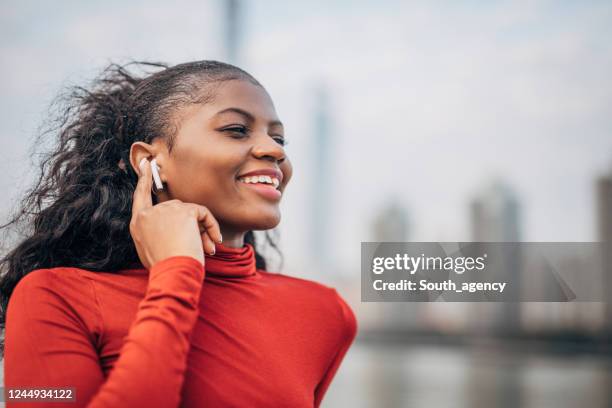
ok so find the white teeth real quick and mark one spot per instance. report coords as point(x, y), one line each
point(260, 179)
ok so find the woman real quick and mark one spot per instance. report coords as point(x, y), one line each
point(137, 299)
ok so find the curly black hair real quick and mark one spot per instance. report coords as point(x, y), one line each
point(77, 214)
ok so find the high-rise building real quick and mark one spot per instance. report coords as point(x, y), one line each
point(495, 214)
point(604, 208)
point(321, 204)
point(232, 32)
point(391, 224)
point(604, 232)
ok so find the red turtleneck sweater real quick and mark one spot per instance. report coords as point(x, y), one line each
point(245, 337)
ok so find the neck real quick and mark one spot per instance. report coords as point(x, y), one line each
point(231, 237)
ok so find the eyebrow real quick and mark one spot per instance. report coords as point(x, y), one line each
point(247, 115)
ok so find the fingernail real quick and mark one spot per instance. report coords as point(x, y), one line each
point(220, 238)
point(212, 252)
point(142, 162)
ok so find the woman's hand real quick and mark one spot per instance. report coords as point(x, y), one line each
point(170, 228)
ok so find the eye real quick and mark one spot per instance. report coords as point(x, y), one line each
point(281, 140)
point(237, 131)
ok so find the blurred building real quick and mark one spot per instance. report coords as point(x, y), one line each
point(391, 224)
point(321, 206)
point(232, 34)
point(604, 208)
point(494, 216)
point(604, 231)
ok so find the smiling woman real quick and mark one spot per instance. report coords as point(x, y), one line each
point(134, 296)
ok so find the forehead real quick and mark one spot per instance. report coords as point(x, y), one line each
point(244, 95)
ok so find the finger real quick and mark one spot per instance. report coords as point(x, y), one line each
point(208, 244)
point(208, 221)
point(142, 193)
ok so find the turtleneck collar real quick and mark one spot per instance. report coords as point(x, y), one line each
point(226, 262)
point(231, 262)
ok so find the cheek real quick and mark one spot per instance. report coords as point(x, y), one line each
point(204, 179)
point(214, 187)
point(287, 170)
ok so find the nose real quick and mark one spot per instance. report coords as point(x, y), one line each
point(268, 149)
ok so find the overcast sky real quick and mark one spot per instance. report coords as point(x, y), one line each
point(429, 101)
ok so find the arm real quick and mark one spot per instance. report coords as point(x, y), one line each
point(48, 344)
point(348, 335)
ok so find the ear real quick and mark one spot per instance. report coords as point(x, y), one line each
point(138, 151)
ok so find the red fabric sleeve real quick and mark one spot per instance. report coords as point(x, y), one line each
point(348, 335)
point(49, 344)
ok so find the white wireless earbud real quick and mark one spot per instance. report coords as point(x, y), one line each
point(156, 178)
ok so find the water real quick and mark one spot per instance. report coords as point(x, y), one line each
point(390, 376)
point(386, 376)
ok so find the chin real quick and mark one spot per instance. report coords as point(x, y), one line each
point(264, 220)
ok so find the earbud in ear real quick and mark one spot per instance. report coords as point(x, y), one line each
point(156, 178)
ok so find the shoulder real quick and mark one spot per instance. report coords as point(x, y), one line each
point(59, 280)
point(60, 291)
point(327, 301)
point(347, 316)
